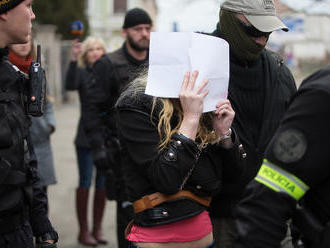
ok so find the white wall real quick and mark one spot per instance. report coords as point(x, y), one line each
point(312, 43)
point(313, 50)
point(106, 24)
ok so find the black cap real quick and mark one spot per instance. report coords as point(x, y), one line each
point(135, 17)
point(6, 5)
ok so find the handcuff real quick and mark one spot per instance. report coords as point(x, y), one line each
point(226, 136)
point(223, 137)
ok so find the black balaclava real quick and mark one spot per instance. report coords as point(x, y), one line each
point(242, 45)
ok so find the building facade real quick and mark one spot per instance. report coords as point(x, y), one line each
point(309, 24)
point(106, 18)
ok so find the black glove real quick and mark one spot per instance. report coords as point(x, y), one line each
point(100, 158)
point(107, 156)
point(46, 245)
point(41, 241)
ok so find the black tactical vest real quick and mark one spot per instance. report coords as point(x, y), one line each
point(14, 123)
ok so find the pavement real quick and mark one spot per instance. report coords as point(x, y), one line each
point(62, 195)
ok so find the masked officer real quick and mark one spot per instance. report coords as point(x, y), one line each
point(260, 87)
point(294, 179)
point(111, 73)
point(23, 204)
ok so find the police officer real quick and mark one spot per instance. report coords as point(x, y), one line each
point(294, 179)
point(23, 204)
point(111, 73)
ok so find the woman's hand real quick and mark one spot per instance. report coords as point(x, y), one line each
point(192, 99)
point(75, 49)
point(192, 104)
point(223, 118)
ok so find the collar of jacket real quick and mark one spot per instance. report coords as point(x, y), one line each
point(4, 53)
point(133, 60)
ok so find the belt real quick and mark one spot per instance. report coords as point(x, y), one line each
point(152, 200)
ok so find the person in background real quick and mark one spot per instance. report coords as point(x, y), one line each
point(174, 158)
point(111, 74)
point(83, 58)
point(42, 127)
point(23, 202)
point(260, 87)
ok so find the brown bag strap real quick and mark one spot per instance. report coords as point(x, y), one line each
point(152, 200)
point(129, 227)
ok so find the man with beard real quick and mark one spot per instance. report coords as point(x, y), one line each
point(260, 88)
point(111, 73)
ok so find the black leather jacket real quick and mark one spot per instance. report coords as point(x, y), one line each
point(180, 166)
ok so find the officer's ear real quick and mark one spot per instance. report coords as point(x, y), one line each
point(124, 32)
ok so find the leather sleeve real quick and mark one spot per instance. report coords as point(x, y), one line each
point(234, 159)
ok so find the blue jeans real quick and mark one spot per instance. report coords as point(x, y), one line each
point(85, 166)
point(134, 246)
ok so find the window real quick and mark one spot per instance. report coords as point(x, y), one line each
point(120, 6)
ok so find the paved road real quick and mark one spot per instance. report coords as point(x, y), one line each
point(61, 195)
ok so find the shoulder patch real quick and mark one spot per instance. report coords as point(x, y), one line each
point(290, 146)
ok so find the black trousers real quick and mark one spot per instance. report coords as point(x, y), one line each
point(21, 237)
point(124, 216)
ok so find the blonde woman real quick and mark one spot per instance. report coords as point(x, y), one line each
point(174, 159)
point(84, 55)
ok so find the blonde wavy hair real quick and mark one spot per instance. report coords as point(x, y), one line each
point(168, 107)
point(86, 45)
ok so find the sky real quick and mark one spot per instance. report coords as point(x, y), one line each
point(310, 6)
point(191, 15)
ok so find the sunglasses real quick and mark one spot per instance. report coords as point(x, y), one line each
point(252, 31)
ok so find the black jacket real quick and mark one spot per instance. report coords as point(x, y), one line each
point(111, 73)
point(17, 170)
point(77, 78)
point(299, 147)
point(146, 170)
point(278, 87)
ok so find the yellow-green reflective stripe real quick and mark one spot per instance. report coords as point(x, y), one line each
point(280, 180)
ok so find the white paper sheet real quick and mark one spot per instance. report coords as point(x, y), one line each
point(173, 54)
